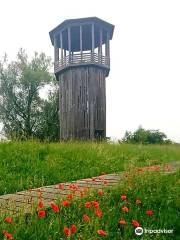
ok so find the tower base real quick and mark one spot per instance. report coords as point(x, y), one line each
point(82, 103)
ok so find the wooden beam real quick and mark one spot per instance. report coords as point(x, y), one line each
point(81, 43)
point(56, 50)
point(92, 36)
point(69, 43)
point(107, 48)
point(100, 41)
point(61, 43)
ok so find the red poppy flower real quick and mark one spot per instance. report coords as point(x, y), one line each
point(98, 213)
point(70, 196)
point(73, 228)
point(100, 192)
point(73, 186)
point(55, 207)
point(140, 169)
point(86, 218)
point(40, 204)
point(125, 209)
point(7, 235)
point(87, 204)
point(60, 186)
point(66, 203)
point(8, 220)
point(102, 232)
point(105, 182)
point(67, 231)
point(122, 222)
point(123, 197)
point(95, 204)
point(41, 214)
point(82, 194)
point(149, 212)
point(138, 201)
point(135, 223)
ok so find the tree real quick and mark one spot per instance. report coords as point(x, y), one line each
point(50, 118)
point(146, 137)
point(21, 108)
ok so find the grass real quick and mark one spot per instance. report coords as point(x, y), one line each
point(157, 192)
point(26, 165)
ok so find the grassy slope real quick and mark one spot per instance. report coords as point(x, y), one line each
point(31, 164)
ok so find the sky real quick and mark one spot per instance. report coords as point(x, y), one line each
point(143, 87)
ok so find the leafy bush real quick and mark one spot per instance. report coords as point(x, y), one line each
point(146, 137)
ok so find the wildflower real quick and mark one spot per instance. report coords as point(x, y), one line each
point(40, 204)
point(98, 213)
point(82, 194)
point(60, 186)
point(73, 186)
point(100, 192)
point(123, 197)
point(122, 222)
point(138, 201)
point(39, 191)
point(135, 223)
point(73, 228)
point(93, 179)
point(86, 218)
point(149, 212)
point(70, 196)
point(41, 214)
point(125, 209)
point(86, 189)
point(54, 207)
point(66, 203)
point(87, 204)
point(95, 204)
point(140, 169)
point(67, 231)
point(8, 220)
point(102, 232)
point(126, 174)
point(7, 235)
point(105, 182)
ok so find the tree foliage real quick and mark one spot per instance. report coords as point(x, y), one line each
point(22, 110)
point(145, 137)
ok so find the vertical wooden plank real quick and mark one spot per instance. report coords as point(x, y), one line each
point(92, 39)
point(81, 42)
point(101, 41)
point(56, 53)
point(69, 43)
point(61, 45)
point(107, 48)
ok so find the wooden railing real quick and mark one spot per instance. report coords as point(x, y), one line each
point(81, 59)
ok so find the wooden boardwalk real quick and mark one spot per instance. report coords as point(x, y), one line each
point(26, 201)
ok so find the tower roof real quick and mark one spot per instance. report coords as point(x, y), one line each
point(74, 24)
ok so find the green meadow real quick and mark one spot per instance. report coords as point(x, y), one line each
point(146, 199)
point(25, 165)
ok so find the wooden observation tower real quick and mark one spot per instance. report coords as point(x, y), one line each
point(81, 65)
